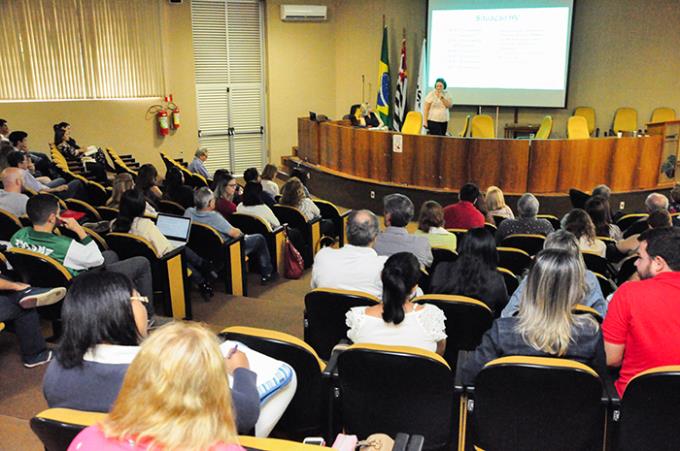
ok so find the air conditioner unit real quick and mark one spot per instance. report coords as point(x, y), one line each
point(304, 13)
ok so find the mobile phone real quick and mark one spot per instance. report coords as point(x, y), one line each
point(314, 441)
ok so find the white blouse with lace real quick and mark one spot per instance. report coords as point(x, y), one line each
point(420, 329)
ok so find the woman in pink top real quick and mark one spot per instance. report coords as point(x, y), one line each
point(175, 396)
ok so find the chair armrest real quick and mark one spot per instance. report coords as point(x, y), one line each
point(278, 229)
point(346, 213)
point(229, 241)
point(314, 220)
point(610, 396)
point(172, 253)
point(463, 356)
point(331, 370)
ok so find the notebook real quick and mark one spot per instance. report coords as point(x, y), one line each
point(175, 228)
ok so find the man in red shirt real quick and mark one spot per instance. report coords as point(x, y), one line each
point(464, 214)
point(642, 326)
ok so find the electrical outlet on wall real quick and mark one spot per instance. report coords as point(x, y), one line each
point(622, 205)
point(372, 194)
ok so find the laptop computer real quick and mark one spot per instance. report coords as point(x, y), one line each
point(175, 228)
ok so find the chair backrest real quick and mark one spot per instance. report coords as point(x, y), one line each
point(482, 126)
point(545, 128)
point(538, 403)
point(577, 128)
point(413, 124)
point(83, 207)
point(663, 114)
point(589, 114)
point(207, 242)
point(648, 417)
point(440, 254)
point(554, 220)
point(626, 269)
point(513, 259)
point(107, 213)
point(398, 389)
point(626, 221)
point(292, 216)
point(325, 310)
point(466, 126)
point(466, 321)
point(170, 207)
point(38, 269)
point(305, 413)
point(330, 211)
point(530, 243)
point(510, 279)
point(625, 120)
point(56, 428)
point(607, 285)
point(598, 264)
point(9, 225)
point(127, 245)
point(119, 164)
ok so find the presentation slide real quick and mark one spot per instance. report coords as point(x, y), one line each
point(501, 52)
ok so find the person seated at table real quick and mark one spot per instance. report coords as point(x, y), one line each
point(362, 116)
point(72, 151)
point(104, 323)
point(147, 182)
point(355, 116)
point(252, 204)
point(397, 321)
point(526, 221)
point(131, 220)
point(175, 190)
point(430, 224)
point(474, 273)
point(197, 165)
point(545, 325)
point(179, 370)
point(268, 184)
point(225, 195)
point(495, 203)
point(579, 223)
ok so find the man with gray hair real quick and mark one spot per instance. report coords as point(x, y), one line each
point(255, 245)
point(656, 201)
point(398, 210)
point(526, 221)
point(355, 266)
point(197, 164)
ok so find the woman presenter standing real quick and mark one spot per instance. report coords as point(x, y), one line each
point(437, 104)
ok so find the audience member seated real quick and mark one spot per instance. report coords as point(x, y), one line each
point(179, 370)
point(495, 203)
point(657, 219)
point(598, 209)
point(398, 212)
point(474, 273)
point(5, 149)
point(579, 223)
point(147, 182)
point(657, 201)
point(64, 190)
point(76, 255)
point(526, 222)
point(175, 190)
point(545, 325)
point(4, 131)
point(40, 161)
point(464, 214)
point(430, 224)
point(255, 245)
point(131, 220)
point(674, 206)
point(268, 184)
point(225, 194)
point(564, 241)
point(642, 328)
point(303, 176)
point(197, 165)
point(104, 323)
point(11, 197)
point(251, 175)
point(398, 321)
point(122, 183)
point(355, 266)
point(293, 195)
point(17, 307)
point(251, 204)
point(63, 141)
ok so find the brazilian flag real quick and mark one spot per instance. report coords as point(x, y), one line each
point(384, 84)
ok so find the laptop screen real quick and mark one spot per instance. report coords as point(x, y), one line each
point(174, 227)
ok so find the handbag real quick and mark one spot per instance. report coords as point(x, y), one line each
point(294, 265)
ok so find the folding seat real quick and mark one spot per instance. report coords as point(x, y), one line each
point(513, 259)
point(107, 213)
point(577, 128)
point(626, 269)
point(440, 254)
point(625, 120)
point(91, 213)
point(170, 207)
point(460, 234)
point(330, 211)
point(532, 244)
point(545, 128)
point(635, 228)
point(663, 114)
point(119, 164)
point(510, 279)
point(554, 220)
point(466, 321)
point(324, 317)
point(598, 264)
point(56, 428)
point(607, 285)
point(275, 236)
point(9, 225)
point(101, 242)
point(626, 221)
point(588, 113)
point(466, 126)
point(310, 230)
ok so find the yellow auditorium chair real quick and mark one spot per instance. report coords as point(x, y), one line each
point(595, 263)
point(577, 128)
point(466, 321)
point(170, 207)
point(460, 234)
point(275, 444)
point(491, 228)
point(310, 230)
point(545, 128)
point(9, 225)
point(307, 413)
point(532, 403)
point(648, 411)
point(532, 244)
point(607, 285)
point(190, 178)
point(275, 236)
point(57, 427)
point(552, 219)
point(628, 220)
point(589, 114)
point(330, 211)
point(626, 269)
point(392, 389)
point(482, 126)
point(324, 316)
point(513, 259)
point(466, 126)
point(580, 309)
point(511, 283)
point(413, 124)
point(625, 120)
point(107, 213)
point(119, 164)
point(97, 238)
point(663, 114)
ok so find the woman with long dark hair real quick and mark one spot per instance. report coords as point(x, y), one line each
point(147, 182)
point(398, 321)
point(253, 205)
point(598, 209)
point(131, 220)
point(175, 190)
point(579, 223)
point(72, 151)
point(474, 273)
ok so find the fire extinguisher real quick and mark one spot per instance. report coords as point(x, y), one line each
point(163, 123)
point(175, 118)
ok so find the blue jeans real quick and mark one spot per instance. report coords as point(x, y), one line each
point(256, 245)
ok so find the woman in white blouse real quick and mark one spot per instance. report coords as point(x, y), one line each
point(398, 321)
point(131, 219)
point(252, 204)
point(268, 183)
point(436, 109)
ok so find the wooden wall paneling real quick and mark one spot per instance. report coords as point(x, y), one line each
point(453, 162)
point(651, 152)
point(380, 156)
point(324, 143)
point(330, 153)
point(484, 162)
point(348, 137)
point(544, 158)
point(417, 165)
point(576, 159)
point(402, 162)
point(514, 166)
point(362, 153)
point(625, 164)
